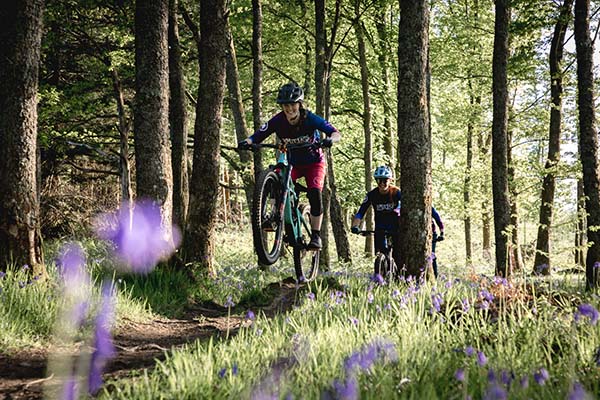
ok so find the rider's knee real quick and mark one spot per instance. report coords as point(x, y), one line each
point(316, 201)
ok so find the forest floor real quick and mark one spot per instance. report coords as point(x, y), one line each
point(140, 345)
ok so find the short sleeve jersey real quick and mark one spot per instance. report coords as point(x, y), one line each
point(307, 131)
point(386, 207)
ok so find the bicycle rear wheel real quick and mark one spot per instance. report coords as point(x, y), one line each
point(267, 222)
point(385, 266)
point(306, 262)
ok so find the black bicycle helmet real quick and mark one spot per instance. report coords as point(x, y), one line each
point(290, 93)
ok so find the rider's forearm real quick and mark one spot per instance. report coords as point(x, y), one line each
point(356, 221)
point(335, 136)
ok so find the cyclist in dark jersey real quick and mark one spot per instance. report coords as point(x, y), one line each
point(386, 200)
point(296, 125)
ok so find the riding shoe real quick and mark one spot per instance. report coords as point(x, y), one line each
point(315, 242)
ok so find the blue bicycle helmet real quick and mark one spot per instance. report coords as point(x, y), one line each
point(290, 93)
point(383, 172)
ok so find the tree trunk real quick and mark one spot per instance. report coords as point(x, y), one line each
point(580, 238)
point(414, 139)
point(237, 109)
point(124, 127)
point(499, 139)
point(154, 175)
point(204, 190)
point(257, 77)
point(588, 139)
point(467, 186)
point(178, 122)
point(366, 118)
point(337, 217)
point(382, 57)
point(20, 35)
point(542, 251)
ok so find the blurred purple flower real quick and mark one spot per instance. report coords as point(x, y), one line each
point(70, 389)
point(378, 279)
point(250, 315)
point(395, 293)
point(578, 392)
point(507, 377)
point(229, 302)
point(103, 345)
point(484, 294)
point(466, 306)
point(78, 313)
point(369, 354)
point(587, 310)
point(370, 297)
point(70, 264)
point(460, 375)
point(310, 295)
point(234, 370)
point(353, 320)
point(139, 236)
point(436, 301)
point(481, 358)
point(347, 390)
point(495, 392)
point(491, 376)
point(222, 372)
point(540, 269)
point(524, 382)
point(2, 274)
point(469, 351)
point(541, 376)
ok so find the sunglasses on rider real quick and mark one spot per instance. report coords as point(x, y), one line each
point(382, 180)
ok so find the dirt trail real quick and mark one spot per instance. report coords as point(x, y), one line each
point(140, 344)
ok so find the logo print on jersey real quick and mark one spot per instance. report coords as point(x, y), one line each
point(264, 127)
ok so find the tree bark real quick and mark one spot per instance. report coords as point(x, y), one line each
point(516, 257)
point(154, 175)
point(237, 109)
point(499, 139)
point(588, 138)
point(414, 139)
point(542, 251)
point(257, 66)
point(467, 186)
point(20, 35)
point(580, 238)
point(178, 122)
point(124, 127)
point(366, 119)
point(204, 189)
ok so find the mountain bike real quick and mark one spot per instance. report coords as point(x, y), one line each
point(384, 264)
point(277, 215)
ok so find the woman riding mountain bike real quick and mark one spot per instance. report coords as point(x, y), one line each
point(296, 125)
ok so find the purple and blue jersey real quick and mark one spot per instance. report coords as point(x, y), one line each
point(307, 131)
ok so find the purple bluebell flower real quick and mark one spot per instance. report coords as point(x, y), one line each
point(70, 389)
point(495, 392)
point(491, 376)
point(353, 320)
point(541, 376)
point(347, 390)
point(139, 235)
point(436, 301)
point(22, 284)
point(222, 372)
point(466, 306)
point(481, 358)
point(469, 351)
point(486, 295)
point(234, 370)
point(587, 310)
point(460, 375)
point(524, 381)
point(310, 295)
point(370, 297)
point(507, 377)
point(540, 269)
point(387, 307)
point(2, 274)
point(578, 392)
point(25, 267)
point(103, 345)
point(395, 293)
point(250, 315)
point(229, 302)
point(378, 279)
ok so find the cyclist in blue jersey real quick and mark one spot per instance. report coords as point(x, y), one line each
point(296, 125)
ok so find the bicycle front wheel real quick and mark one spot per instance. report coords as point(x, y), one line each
point(267, 221)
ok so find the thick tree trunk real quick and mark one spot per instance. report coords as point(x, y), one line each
point(588, 138)
point(414, 139)
point(124, 127)
point(580, 237)
point(20, 35)
point(178, 122)
point(237, 109)
point(154, 175)
point(204, 190)
point(499, 139)
point(541, 263)
point(257, 77)
point(366, 118)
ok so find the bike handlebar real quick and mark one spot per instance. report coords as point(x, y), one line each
point(386, 232)
point(281, 146)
